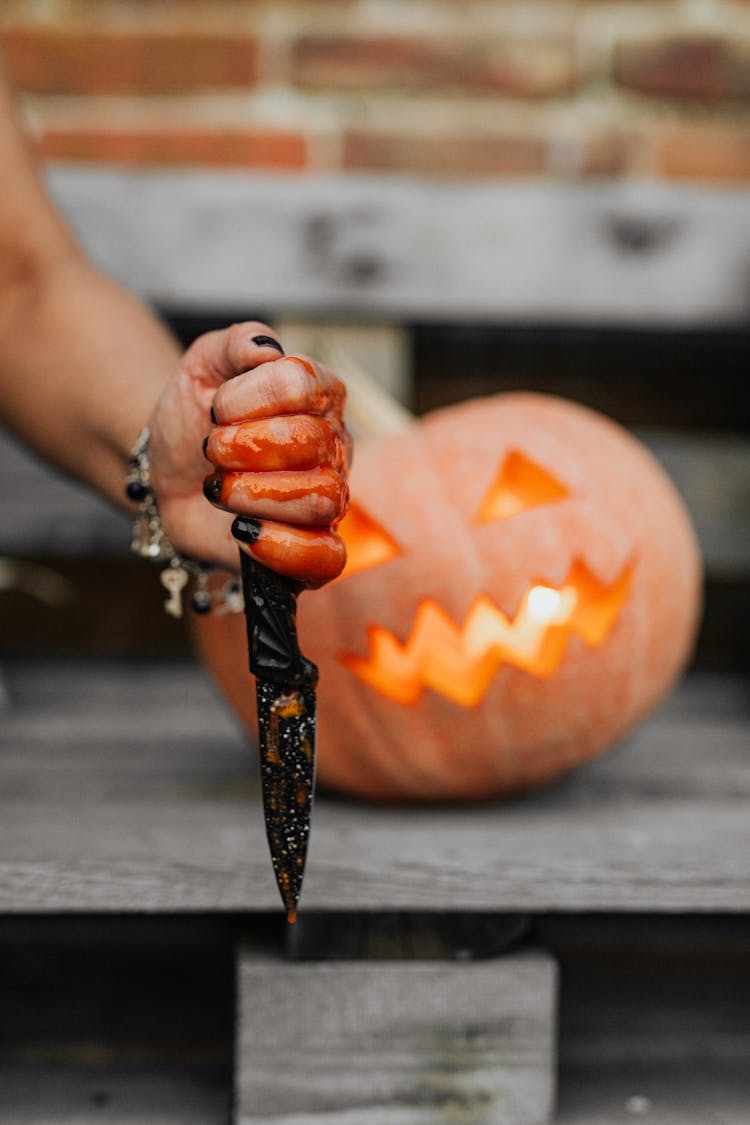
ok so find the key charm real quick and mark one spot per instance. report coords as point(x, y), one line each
point(174, 579)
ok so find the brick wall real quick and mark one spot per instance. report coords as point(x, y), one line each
point(443, 88)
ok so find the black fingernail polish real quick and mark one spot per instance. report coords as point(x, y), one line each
point(205, 445)
point(212, 488)
point(268, 342)
point(246, 529)
point(213, 416)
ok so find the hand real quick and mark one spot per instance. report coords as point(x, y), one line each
point(280, 450)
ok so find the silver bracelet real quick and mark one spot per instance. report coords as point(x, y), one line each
point(150, 541)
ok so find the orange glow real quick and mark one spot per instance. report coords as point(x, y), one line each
point(460, 662)
point(520, 484)
point(367, 543)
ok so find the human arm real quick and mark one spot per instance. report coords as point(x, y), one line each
point(82, 362)
point(84, 365)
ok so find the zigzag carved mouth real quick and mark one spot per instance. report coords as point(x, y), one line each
point(460, 662)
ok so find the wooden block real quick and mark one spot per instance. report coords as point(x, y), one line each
point(407, 1042)
point(380, 348)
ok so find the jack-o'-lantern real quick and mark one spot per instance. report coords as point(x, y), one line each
point(522, 588)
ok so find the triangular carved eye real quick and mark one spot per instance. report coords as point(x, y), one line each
point(367, 543)
point(519, 485)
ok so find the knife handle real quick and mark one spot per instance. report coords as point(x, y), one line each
point(271, 619)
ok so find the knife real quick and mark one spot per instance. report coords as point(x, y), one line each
point(285, 696)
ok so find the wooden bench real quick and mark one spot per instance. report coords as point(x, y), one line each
point(578, 955)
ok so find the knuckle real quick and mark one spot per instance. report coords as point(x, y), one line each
point(322, 508)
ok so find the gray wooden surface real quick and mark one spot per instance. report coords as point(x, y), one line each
point(107, 1020)
point(697, 1091)
point(623, 253)
point(110, 1095)
point(53, 516)
point(45, 513)
point(656, 1029)
point(129, 788)
point(408, 1043)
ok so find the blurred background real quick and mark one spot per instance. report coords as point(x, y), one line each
point(469, 196)
point(462, 197)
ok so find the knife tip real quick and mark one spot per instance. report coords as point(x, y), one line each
point(291, 916)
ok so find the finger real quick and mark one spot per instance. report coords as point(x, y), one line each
point(293, 385)
point(226, 353)
point(313, 557)
point(293, 441)
point(313, 498)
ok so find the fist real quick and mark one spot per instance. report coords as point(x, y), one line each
point(279, 452)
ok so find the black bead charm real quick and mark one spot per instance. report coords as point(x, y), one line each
point(136, 491)
point(201, 602)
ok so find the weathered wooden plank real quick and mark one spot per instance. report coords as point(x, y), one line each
point(411, 1043)
point(44, 513)
point(129, 789)
point(632, 252)
point(52, 516)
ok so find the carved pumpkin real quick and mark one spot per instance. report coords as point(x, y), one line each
point(522, 588)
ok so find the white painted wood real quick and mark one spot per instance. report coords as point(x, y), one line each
point(623, 253)
point(130, 788)
point(403, 1042)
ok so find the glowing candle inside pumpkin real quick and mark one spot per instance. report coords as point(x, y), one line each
point(547, 606)
point(460, 662)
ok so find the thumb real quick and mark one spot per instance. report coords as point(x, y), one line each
point(223, 354)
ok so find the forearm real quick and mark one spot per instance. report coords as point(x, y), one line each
point(81, 361)
point(82, 364)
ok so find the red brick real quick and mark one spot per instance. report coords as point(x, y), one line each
point(704, 153)
point(445, 155)
point(253, 149)
point(607, 155)
point(56, 61)
point(526, 68)
point(603, 153)
point(704, 67)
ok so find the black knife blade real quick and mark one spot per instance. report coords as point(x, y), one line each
point(286, 703)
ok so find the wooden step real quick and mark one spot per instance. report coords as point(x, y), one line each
point(407, 1042)
point(129, 787)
